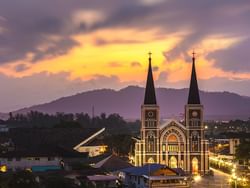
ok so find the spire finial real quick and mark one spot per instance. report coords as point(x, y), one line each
point(149, 54)
point(194, 54)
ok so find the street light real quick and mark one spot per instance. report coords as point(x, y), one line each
point(233, 179)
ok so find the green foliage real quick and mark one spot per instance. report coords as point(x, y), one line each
point(68, 124)
point(113, 123)
point(120, 144)
point(59, 182)
point(243, 151)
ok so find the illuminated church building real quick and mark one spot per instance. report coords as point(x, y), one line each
point(172, 143)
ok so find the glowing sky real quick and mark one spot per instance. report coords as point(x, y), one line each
point(55, 48)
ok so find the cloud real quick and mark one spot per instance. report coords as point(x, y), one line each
point(162, 79)
point(100, 41)
point(135, 64)
point(235, 58)
point(21, 67)
point(87, 17)
point(151, 2)
point(28, 25)
point(31, 31)
point(155, 68)
point(114, 64)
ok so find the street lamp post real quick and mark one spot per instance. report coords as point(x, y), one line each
point(235, 183)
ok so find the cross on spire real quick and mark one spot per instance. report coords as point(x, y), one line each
point(149, 54)
point(193, 54)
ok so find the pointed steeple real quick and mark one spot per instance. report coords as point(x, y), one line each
point(150, 88)
point(193, 97)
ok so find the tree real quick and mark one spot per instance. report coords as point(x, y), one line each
point(59, 182)
point(23, 179)
point(68, 124)
point(243, 151)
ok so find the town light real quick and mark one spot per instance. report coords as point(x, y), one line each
point(197, 178)
point(3, 168)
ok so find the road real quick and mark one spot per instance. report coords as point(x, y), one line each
point(219, 180)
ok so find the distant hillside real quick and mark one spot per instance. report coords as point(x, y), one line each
point(127, 102)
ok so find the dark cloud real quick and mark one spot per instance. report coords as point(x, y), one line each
point(21, 67)
point(236, 58)
point(29, 24)
point(101, 42)
point(155, 68)
point(162, 79)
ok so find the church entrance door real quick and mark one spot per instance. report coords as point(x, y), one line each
point(194, 165)
point(173, 162)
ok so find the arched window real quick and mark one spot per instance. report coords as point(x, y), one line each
point(172, 138)
point(151, 160)
point(173, 145)
point(173, 162)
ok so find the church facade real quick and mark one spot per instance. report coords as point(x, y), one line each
point(175, 144)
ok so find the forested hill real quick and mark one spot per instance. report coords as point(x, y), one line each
point(127, 102)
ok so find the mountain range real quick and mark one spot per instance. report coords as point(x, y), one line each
point(127, 102)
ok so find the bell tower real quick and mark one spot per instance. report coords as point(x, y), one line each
point(197, 149)
point(150, 121)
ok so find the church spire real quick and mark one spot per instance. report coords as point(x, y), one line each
point(150, 88)
point(193, 97)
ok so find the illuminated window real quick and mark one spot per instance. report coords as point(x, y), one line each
point(172, 138)
point(151, 160)
point(173, 148)
point(173, 162)
point(163, 147)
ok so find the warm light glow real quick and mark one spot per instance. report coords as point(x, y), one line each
point(197, 178)
point(3, 168)
point(105, 52)
point(103, 149)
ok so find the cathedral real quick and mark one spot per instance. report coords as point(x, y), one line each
point(175, 144)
